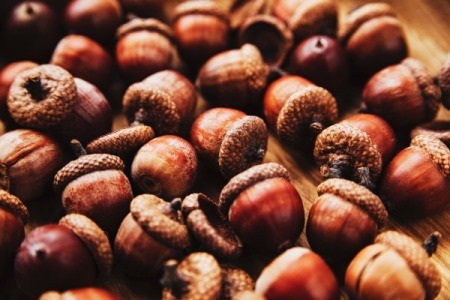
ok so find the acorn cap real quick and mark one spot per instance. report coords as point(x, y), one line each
point(13, 205)
point(417, 259)
point(210, 227)
point(256, 70)
point(201, 7)
point(123, 141)
point(430, 91)
point(357, 195)
point(361, 15)
point(243, 146)
point(248, 295)
point(243, 10)
point(94, 238)
point(234, 281)
point(444, 82)
point(307, 106)
point(283, 36)
point(42, 96)
point(312, 17)
point(84, 165)
point(248, 178)
point(138, 24)
point(160, 220)
point(198, 276)
point(344, 139)
point(436, 129)
point(436, 151)
point(160, 111)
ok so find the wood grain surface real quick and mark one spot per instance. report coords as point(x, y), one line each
point(427, 26)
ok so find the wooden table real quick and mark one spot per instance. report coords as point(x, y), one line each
point(427, 27)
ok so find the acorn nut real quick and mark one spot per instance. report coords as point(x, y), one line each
point(95, 185)
point(355, 149)
point(345, 218)
point(152, 226)
point(264, 208)
point(394, 267)
point(69, 255)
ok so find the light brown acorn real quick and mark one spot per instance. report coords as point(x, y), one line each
point(394, 267)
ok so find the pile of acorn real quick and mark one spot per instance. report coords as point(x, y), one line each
point(128, 193)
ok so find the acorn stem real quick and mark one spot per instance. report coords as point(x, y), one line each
point(362, 177)
point(139, 117)
point(77, 148)
point(338, 166)
point(172, 279)
point(431, 242)
point(316, 127)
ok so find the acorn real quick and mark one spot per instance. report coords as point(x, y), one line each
point(144, 47)
point(373, 37)
point(198, 276)
point(228, 140)
point(152, 226)
point(165, 101)
point(264, 208)
point(308, 17)
point(201, 30)
point(416, 181)
point(234, 78)
point(28, 161)
point(345, 218)
point(395, 267)
point(404, 95)
point(13, 218)
point(87, 293)
point(235, 281)
point(355, 149)
point(297, 110)
point(437, 129)
point(95, 185)
point(242, 10)
point(297, 273)
point(69, 255)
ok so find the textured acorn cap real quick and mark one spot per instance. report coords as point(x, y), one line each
point(152, 25)
point(57, 88)
point(361, 15)
point(160, 111)
point(234, 281)
point(311, 16)
point(430, 91)
point(210, 227)
point(4, 180)
point(94, 238)
point(309, 105)
point(436, 151)
point(283, 33)
point(201, 7)
point(256, 70)
point(12, 204)
point(84, 165)
point(243, 146)
point(198, 276)
point(417, 259)
point(160, 220)
point(344, 139)
point(248, 178)
point(248, 295)
point(123, 141)
point(444, 82)
point(357, 195)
